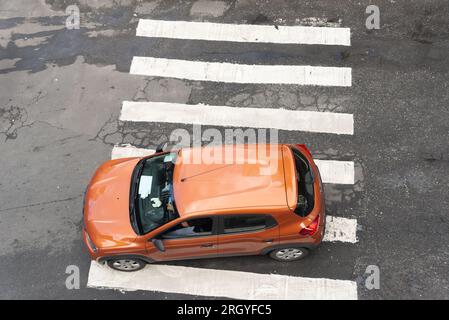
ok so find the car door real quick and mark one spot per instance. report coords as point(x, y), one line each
point(189, 239)
point(246, 234)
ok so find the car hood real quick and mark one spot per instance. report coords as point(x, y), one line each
point(106, 207)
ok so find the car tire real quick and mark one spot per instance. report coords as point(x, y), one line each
point(289, 254)
point(126, 264)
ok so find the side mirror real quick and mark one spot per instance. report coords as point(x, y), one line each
point(158, 244)
point(161, 147)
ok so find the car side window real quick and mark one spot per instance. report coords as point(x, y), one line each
point(247, 223)
point(191, 228)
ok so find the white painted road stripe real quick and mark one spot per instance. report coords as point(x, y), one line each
point(241, 73)
point(129, 151)
point(243, 32)
point(340, 230)
point(221, 283)
point(332, 171)
point(337, 229)
point(282, 119)
point(338, 172)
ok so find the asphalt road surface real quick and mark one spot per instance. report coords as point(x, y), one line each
point(61, 98)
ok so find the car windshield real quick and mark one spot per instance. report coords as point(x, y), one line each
point(305, 180)
point(152, 201)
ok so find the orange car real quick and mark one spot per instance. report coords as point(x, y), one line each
point(169, 207)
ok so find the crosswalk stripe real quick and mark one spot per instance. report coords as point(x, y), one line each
point(241, 73)
point(337, 229)
point(332, 171)
point(129, 151)
point(340, 230)
point(282, 119)
point(221, 283)
point(243, 32)
point(338, 172)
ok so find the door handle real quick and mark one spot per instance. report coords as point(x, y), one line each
point(268, 240)
point(207, 245)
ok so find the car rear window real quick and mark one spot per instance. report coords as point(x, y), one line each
point(305, 181)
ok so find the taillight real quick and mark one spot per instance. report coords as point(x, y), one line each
point(311, 229)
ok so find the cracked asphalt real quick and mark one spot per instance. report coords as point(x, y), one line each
point(60, 98)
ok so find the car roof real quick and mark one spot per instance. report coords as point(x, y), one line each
point(232, 179)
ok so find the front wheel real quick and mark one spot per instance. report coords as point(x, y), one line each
point(126, 264)
point(289, 254)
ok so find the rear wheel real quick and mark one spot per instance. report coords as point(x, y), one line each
point(126, 264)
point(289, 254)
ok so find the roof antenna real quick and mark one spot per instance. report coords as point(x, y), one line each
point(201, 173)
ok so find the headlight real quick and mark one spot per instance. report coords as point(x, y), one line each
point(89, 241)
point(84, 200)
